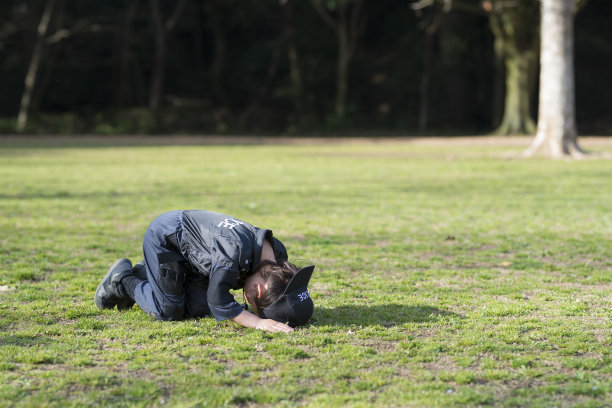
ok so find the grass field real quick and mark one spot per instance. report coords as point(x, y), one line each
point(448, 274)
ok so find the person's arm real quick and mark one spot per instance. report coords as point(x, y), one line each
point(248, 319)
point(223, 306)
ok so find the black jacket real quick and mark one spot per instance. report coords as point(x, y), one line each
point(226, 251)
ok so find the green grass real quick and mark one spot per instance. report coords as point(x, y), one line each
point(447, 275)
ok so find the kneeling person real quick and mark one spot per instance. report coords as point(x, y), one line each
point(194, 258)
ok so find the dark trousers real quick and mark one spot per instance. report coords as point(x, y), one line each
point(148, 295)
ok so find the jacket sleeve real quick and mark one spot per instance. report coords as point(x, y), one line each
point(224, 272)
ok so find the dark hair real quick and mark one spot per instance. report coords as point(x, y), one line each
point(277, 276)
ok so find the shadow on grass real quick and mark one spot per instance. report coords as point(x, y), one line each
point(382, 315)
point(21, 340)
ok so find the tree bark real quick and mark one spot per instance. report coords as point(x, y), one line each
point(348, 26)
point(219, 57)
point(424, 83)
point(342, 65)
point(556, 135)
point(30, 79)
point(431, 29)
point(293, 56)
point(517, 106)
point(515, 26)
point(498, 84)
point(51, 51)
point(157, 76)
point(122, 93)
point(161, 30)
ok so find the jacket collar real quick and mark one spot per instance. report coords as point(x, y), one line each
point(260, 237)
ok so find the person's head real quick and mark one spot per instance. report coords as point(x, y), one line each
point(268, 283)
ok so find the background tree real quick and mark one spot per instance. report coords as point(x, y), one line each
point(217, 24)
point(557, 134)
point(35, 61)
point(515, 27)
point(348, 25)
point(514, 24)
point(293, 57)
point(430, 26)
point(124, 57)
point(161, 29)
point(236, 66)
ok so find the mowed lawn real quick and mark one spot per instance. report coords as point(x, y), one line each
point(448, 274)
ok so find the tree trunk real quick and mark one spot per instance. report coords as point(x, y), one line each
point(498, 84)
point(295, 72)
point(161, 29)
point(517, 106)
point(515, 26)
point(45, 73)
point(296, 78)
point(122, 92)
point(430, 32)
point(557, 136)
point(219, 57)
point(30, 79)
point(342, 72)
point(424, 84)
point(157, 76)
point(266, 85)
point(348, 26)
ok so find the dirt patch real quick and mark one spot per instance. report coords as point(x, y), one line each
point(381, 346)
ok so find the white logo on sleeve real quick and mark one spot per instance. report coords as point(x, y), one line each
point(229, 223)
point(303, 296)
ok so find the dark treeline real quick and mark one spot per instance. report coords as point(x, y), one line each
point(129, 66)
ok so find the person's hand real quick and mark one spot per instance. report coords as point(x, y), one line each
point(273, 326)
point(248, 319)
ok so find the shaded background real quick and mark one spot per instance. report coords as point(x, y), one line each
point(228, 68)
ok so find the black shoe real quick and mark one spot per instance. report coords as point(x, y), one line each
point(140, 270)
point(110, 292)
